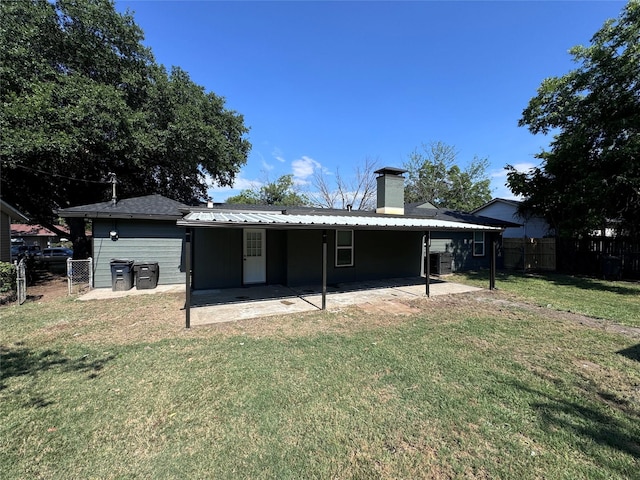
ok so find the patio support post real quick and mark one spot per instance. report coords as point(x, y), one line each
point(427, 260)
point(492, 267)
point(187, 277)
point(324, 270)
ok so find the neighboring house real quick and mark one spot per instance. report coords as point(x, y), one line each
point(141, 229)
point(529, 226)
point(7, 213)
point(35, 234)
point(233, 245)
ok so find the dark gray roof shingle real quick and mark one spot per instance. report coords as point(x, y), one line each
point(147, 207)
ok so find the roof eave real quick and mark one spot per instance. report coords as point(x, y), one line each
point(332, 226)
point(117, 216)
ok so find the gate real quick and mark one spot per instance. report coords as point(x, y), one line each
point(21, 282)
point(79, 275)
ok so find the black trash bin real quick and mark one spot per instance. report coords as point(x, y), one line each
point(121, 275)
point(147, 274)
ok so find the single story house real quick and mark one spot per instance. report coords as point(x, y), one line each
point(233, 245)
point(142, 229)
point(507, 210)
point(7, 213)
point(225, 245)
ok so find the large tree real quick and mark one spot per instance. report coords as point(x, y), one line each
point(281, 192)
point(82, 98)
point(433, 175)
point(590, 175)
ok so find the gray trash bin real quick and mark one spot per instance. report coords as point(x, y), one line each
point(146, 274)
point(121, 274)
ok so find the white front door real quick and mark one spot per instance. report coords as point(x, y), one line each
point(254, 255)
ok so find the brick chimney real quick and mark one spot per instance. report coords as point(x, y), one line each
point(390, 191)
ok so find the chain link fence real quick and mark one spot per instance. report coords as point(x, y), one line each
point(79, 275)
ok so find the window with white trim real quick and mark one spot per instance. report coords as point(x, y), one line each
point(344, 248)
point(478, 244)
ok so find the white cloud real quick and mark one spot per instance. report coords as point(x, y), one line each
point(303, 168)
point(267, 166)
point(220, 194)
point(524, 167)
point(278, 155)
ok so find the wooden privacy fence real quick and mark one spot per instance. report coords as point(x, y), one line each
point(608, 257)
point(529, 253)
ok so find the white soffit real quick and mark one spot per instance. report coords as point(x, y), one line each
point(264, 219)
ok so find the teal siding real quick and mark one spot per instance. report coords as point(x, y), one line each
point(141, 241)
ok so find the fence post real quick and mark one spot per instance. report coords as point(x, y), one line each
point(90, 272)
point(69, 276)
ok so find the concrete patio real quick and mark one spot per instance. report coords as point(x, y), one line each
point(214, 306)
point(231, 304)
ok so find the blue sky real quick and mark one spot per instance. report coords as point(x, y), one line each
point(325, 85)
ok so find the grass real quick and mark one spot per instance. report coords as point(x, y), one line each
point(611, 300)
point(470, 386)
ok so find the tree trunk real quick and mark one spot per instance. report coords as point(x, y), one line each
point(78, 237)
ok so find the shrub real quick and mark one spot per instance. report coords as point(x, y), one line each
point(7, 277)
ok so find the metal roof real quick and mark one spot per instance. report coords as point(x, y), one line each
point(210, 218)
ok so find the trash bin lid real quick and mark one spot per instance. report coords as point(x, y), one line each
point(121, 260)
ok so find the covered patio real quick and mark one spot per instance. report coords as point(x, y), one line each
point(314, 255)
point(232, 304)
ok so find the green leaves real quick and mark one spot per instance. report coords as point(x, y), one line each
point(434, 176)
point(281, 192)
point(82, 97)
point(591, 174)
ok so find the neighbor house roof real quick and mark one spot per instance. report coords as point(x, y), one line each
point(429, 211)
point(515, 203)
point(223, 215)
point(23, 230)
point(154, 207)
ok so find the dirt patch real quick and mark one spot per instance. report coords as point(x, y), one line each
point(48, 287)
point(393, 307)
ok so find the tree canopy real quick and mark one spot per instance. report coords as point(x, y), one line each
point(590, 175)
point(281, 192)
point(82, 98)
point(434, 176)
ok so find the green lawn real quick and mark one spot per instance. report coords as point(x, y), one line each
point(615, 301)
point(468, 386)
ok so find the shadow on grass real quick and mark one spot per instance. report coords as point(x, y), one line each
point(587, 422)
point(632, 353)
point(20, 361)
point(585, 283)
point(590, 283)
